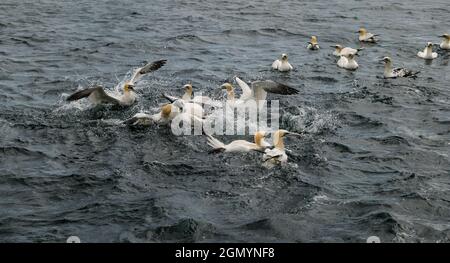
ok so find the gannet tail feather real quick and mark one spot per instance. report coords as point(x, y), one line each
point(216, 144)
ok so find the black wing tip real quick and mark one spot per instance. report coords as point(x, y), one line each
point(169, 98)
point(216, 151)
point(288, 90)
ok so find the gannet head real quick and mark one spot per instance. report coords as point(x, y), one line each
point(386, 60)
point(166, 110)
point(350, 56)
point(228, 87)
point(128, 87)
point(362, 31)
point(259, 137)
point(284, 57)
point(446, 36)
point(338, 47)
point(188, 89)
point(313, 40)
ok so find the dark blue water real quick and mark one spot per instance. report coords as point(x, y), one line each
point(375, 160)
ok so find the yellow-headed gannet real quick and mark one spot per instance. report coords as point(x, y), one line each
point(277, 155)
point(313, 44)
point(390, 72)
point(446, 42)
point(342, 51)
point(428, 53)
point(98, 95)
point(239, 145)
point(348, 62)
point(365, 36)
point(282, 64)
point(167, 113)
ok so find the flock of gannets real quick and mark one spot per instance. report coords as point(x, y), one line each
point(190, 108)
point(347, 55)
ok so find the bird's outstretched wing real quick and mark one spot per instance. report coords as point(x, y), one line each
point(170, 98)
point(98, 95)
point(246, 91)
point(138, 118)
point(261, 87)
point(150, 67)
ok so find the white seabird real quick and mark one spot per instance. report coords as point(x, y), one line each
point(98, 95)
point(277, 155)
point(365, 36)
point(348, 62)
point(390, 72)
point(239, 145)
point(342, 51)
point(428, 53)
point(168, 112)
point(446, 42)
point(257, 92)
point(313, 44)
point(282, 64)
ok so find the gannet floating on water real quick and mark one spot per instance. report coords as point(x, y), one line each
point(98, 95)
point(348, 62)
point(428, 53)
point(446, 42)
point(188, 96)
point(277, 155)
point(282, 64)
point(239, 145)
point(365, 36)
point(313, 44)
point(257, 92)
point(390, 72)
point(342, 51)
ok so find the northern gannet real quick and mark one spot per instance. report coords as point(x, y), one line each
point(98, 95)
point(258, 90)
point(390, 72)
point(348, 62)
point(277, 155)
point(342, 51)
point(365, 36)
point(428, 53)
point(188, 96)
point(167, 113)
point(282, 64)
point(239, 145)
point(313, 44)
point(446, 42)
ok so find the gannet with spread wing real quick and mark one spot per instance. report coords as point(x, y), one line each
point(98, 95)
